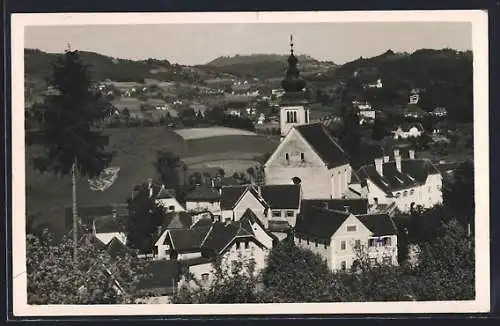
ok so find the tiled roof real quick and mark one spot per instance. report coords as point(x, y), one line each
point(187, 239)
point(109, 224)
point(319, 224)
point(379, 224)
point(413, 173)
point(203, 222)
point(249, 216)
point(177, 220)
point(203, 193)
point(161, 274)
point(231, 195)
point(165, 193)
point(354, 206)
point(323, 144)
point(281, 196)
point(116, 248)
point(221, 235)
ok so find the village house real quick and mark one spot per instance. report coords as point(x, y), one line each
point(197, 248)
point(107, 228)
point(344, 240)
point(166, 198)
point(309, 156)
point(439, 112)
point(408, 130)
point(284, 202)
point(203, 198)
point(406, 182)
point(235, 200)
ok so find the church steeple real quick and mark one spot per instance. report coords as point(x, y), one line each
point(292, 82)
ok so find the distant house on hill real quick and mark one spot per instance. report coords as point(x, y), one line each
point(408, 130)
point(341, 238)
point(413, 111)
point(166, 198)
point(439, 112)
point(203, 198)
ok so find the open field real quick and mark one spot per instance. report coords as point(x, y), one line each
point(135, 153)
point(196, 133)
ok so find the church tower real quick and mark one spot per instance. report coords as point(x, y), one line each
point(294, 108)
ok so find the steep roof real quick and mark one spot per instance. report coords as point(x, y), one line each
point(281, 196)
point(354, 206)
point(165, 193)
point(319, 223)
point(116, 248)
point(323, 144)
point(379, 224)
point(203, 193)
point(413, 173)
point(232, 194)
point(187, 239)
point(221, 235)
point(177, 220)
point(203, 222)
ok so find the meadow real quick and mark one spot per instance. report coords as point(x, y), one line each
point(136, 150)
point(197, 133)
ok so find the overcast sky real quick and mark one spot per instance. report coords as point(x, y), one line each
point(200, 43)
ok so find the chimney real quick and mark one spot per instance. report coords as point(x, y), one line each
point(378, 166)
point(398, 162)
point(411, 154)
point(386, 158)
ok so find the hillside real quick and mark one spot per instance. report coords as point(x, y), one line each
point(444, 76)
point(38, 65)
point(264, 66)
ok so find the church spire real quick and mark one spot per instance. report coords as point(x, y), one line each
point(292, 82)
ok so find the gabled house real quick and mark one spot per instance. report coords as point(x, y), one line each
point(245, 240)
point(166, 198)
point(236, 200)
point(107, 228)
point(203, 198)
point(408, 130)
point(406, 182)
point(309, 156)
point(343, 239)
point(284, 203)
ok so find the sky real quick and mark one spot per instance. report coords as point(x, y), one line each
point(192, 44)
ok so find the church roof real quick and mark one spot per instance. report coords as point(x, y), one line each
point(323, 144)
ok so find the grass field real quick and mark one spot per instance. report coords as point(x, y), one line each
point(135, 153)
point(198, 133)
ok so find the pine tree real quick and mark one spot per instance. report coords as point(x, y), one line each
point(67, 125)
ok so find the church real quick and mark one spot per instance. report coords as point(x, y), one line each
point(307, 154)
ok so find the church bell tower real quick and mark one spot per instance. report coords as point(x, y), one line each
point(294, 108)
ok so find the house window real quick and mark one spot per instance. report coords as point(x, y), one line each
point(306, 117)
point(302, 156)
point(326, 245)
point(237, 246)
point(387, 241)
point(343, 265)
point(204, 277)
point(357, 244)
point(351, 228)
point(371, 243)
point(316, 244)
point(247, 244)
point(387, 260)
point(307, 241)
point(294, 116)
point(405, 193)
point(412, 192)
point(276, 213)
point(398, 194)
point(375, 200)
point(287, 157)
point(289, 213)
point(342, 245)
point(171, 208)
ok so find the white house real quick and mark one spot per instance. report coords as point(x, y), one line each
point(284, 202)
point(414, 98)
point(203, 198)
point(343, 239)
point(167, 199)
point(408, 130)
point(235, 200)
point(309, 156)
point(406, 182)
